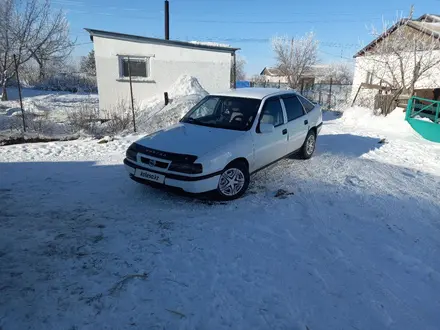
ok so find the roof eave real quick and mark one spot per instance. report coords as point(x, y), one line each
point(129, 37)
point(391, 30)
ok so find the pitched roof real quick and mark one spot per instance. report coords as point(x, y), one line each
point(274, 72)
point(428, 23)
point(135, 38)
point(312, 71)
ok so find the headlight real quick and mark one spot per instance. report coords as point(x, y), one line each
point(186, 168)
point(131, 152)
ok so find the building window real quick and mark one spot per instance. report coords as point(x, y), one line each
point(139, 67)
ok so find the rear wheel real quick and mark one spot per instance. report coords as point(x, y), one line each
point(309, 145)
point(233, 181)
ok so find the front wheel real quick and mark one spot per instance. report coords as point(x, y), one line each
point(233, 181)
point(309, 145)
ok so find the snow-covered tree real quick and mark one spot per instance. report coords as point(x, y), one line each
point(294, 56)
point(340, 72)
point(240, 71)
point(30, 29)
point(88, 64)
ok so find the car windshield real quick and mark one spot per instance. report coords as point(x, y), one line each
point(226, 112)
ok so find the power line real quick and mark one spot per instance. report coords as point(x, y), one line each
point(334, 55)
point(83, 43)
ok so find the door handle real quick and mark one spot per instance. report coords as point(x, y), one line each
point(285, 131)
point(306, 122)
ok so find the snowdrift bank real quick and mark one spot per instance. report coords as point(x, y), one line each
point(183, 94)
point(394, 123)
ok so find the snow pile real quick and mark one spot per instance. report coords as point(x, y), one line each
point(209, 43)
point(186, 85)
point(364, 117)
point(184, 94)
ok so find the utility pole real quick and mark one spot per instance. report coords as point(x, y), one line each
point(167, 20)
point(19, 92)
point(131, 95)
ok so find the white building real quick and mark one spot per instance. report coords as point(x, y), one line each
point(155, 64)
point(372, 69)
point(315, 74)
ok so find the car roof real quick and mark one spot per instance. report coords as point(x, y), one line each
point(254, 93)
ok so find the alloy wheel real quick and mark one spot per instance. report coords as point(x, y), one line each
point(231, 182)
point(310, 144)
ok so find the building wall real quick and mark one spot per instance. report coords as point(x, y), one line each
point(275, 79)
point(211, 68)
point(369, 64)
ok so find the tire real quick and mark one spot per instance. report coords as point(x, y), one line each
point(309, 145)
point(236, 172)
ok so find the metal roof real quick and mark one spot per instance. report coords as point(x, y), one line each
point(427, 23)
point(134, 38)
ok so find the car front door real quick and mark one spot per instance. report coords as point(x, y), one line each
point(297, 122)
point(270, 146)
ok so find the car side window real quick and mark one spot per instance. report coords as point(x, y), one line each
point(293, 106)
point(272, 113)
point(308, 106)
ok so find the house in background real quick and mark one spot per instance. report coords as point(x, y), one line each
point(314, 75)
point(367, 69)
point(155, 64)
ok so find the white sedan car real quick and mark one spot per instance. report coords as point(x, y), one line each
point(224, 139)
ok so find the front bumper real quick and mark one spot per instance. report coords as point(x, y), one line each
point(191, 184)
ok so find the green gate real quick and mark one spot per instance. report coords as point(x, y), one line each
point(424, 117)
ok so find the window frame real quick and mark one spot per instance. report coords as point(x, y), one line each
point(288, 96)
point(303, 99)
point(283, 111)
point(145, 58)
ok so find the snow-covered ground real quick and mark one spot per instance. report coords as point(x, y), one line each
point(47, 112)
point(355, 246)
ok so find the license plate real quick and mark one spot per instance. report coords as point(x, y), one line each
point(150, 176)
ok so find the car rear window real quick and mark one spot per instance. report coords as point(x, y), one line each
point(308, 106)
point(294, 108)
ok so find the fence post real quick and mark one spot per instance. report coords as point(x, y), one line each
point(131, 94)
point(330, 94)
point(167, 100)
point(19, 92)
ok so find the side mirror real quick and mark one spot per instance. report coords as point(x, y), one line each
point(267, 128)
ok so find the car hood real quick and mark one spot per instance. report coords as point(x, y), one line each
point(189, 139)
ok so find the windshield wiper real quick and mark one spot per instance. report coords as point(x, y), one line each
point(193, 121)
point(198, 122)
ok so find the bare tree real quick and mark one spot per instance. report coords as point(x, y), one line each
point(55, 45)
point(240, 64)
point(340, 72)
point(259, 80)
point(402, 56)
point(295, 56)
point(29, 29)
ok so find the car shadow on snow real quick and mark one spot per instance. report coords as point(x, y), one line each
point(346, 144)
point(331, 115)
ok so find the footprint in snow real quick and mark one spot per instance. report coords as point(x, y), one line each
point(354, 181)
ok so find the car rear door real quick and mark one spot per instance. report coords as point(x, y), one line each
point(297, 122)
point(269, 147)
